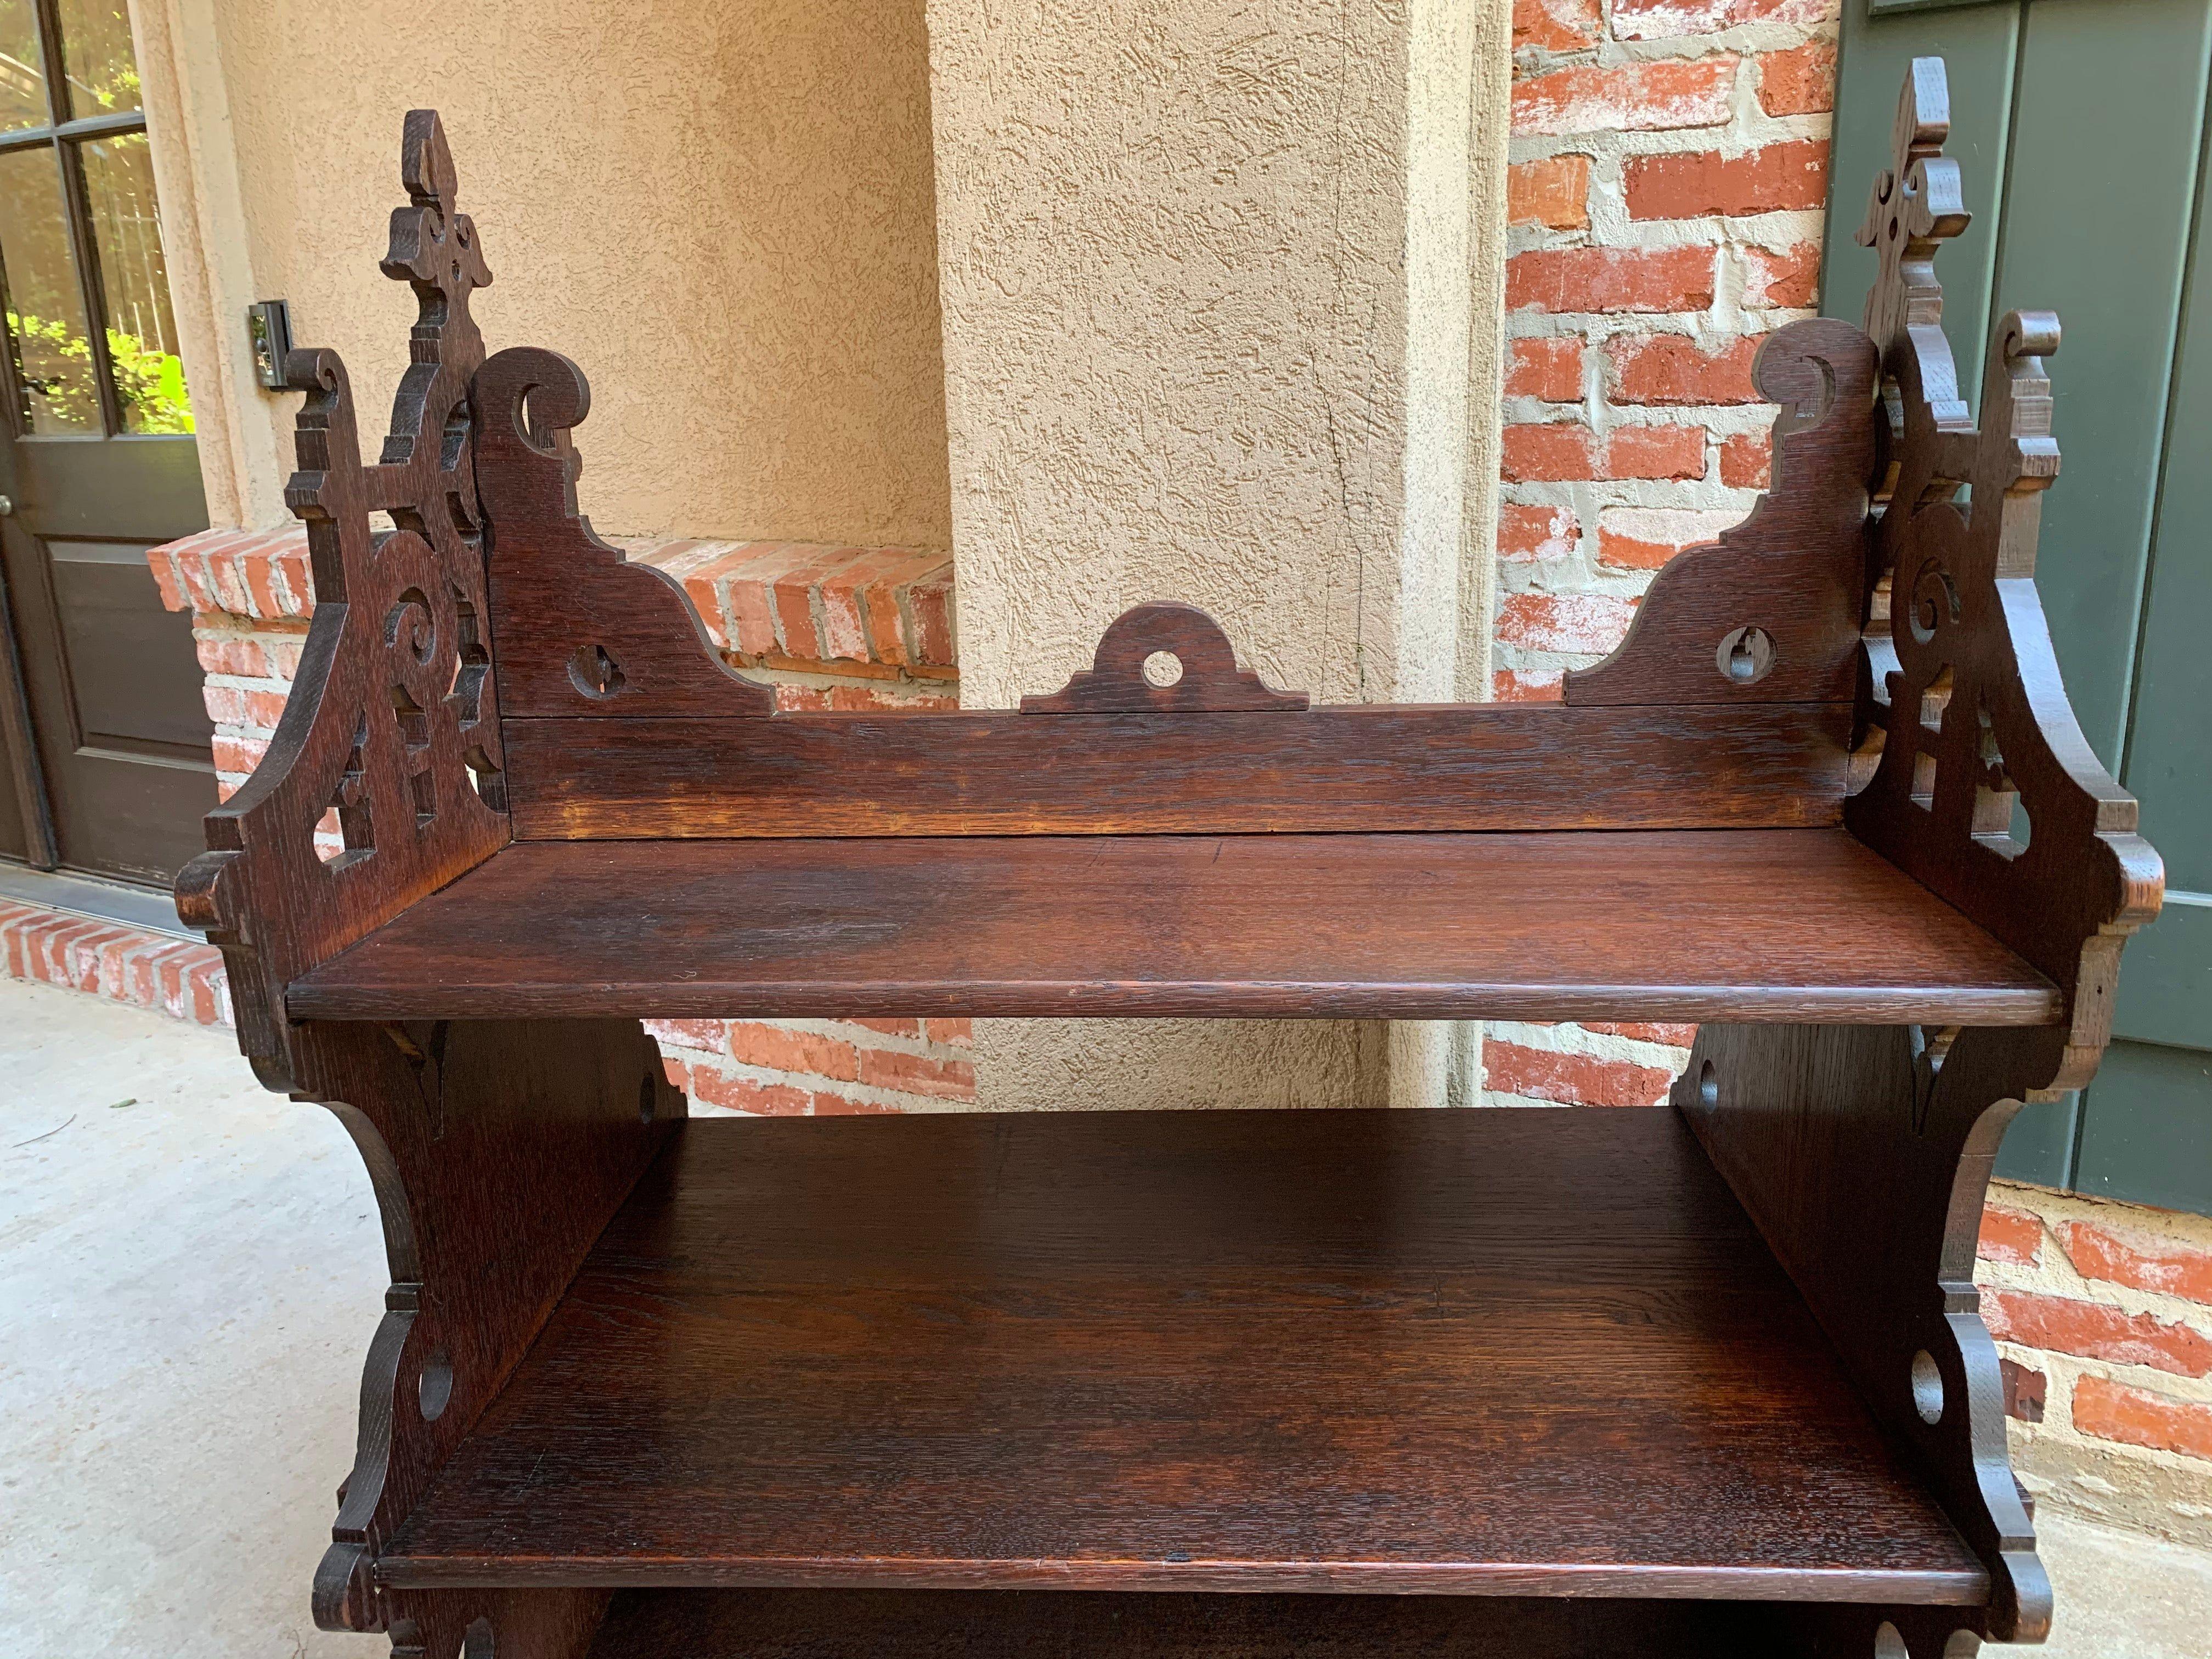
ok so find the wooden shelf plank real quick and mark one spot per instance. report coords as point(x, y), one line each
point(679, 1623)
point(1758, 925)
point(1506, 1352)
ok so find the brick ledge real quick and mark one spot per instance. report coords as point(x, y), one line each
point(116, 961)
point(775, 604)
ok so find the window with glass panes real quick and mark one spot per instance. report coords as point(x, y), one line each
point(92, 342)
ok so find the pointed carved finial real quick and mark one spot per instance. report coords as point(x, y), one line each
point(1915, 205)
point(434, 245)
point(435, 249)
point(2018, 456)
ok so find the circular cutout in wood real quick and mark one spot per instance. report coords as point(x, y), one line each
point(1746, 656)
point(1927, 1387)
point(434, 1390)
point(1163, 669)
point(1934, 603)
point(594, 673)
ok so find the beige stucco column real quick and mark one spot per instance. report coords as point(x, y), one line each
point(1220, 290)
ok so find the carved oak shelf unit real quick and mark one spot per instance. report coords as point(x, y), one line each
point(1705, 1377)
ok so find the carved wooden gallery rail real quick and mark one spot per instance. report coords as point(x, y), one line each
point(1706, 1377)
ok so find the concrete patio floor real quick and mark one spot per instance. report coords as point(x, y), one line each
point(188, 1282)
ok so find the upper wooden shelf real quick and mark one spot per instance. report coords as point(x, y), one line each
point(1723, 925)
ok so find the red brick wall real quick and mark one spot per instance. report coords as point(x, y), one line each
point(2103, 1314)
point(180, 977)
point(1669, 166)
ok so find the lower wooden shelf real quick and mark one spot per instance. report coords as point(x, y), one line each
point(680, 1624)
point(1510, 1353)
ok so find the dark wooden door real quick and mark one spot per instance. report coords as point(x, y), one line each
point(2081, 128)
point(108, 741)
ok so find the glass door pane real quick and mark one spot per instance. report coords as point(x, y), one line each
point(46, 313)
point(96, 433)
point(97, 56)
point(141, 334)
point(22, 68)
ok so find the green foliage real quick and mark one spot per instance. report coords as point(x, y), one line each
point(148, 381)
point(112, 84)
point(120, 90)
point(151, 384)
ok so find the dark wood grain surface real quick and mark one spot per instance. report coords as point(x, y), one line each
point(1489, 1352)
point(1342, 767)
point(1099, 1625)
point(497, 1152)
point(1662, 925)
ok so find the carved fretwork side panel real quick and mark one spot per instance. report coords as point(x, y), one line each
point(1769, 613)
point(1863, 1153)
point(497, 1150)
point(1981, 785)
point(392, 724)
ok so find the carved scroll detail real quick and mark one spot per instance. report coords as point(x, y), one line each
point(1769, 613)
point(1208, 677)
point(1967, 729)
point(582, 630)
point(393, 722)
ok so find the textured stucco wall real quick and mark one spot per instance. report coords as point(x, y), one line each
point(1489, 180)
point(1208, 308)
point(1173, 246)
point(723, 213)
